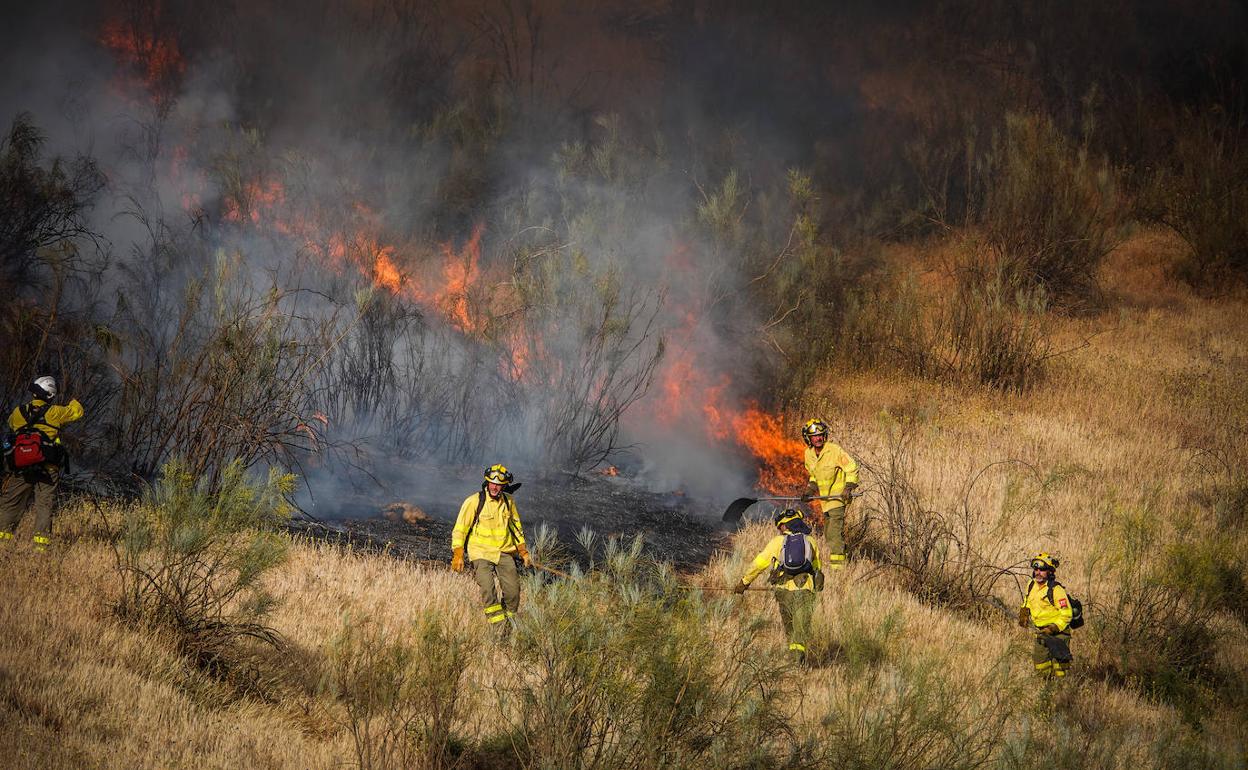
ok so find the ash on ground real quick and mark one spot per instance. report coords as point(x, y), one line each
point(673, 527)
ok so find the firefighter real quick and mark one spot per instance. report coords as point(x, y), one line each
point(796, 575)
point(488, 530)
point(34, 486)
point(832, 473)
point(1047, 611)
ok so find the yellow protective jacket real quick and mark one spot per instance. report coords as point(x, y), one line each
point(53, 420)
point(497, 530)
point(831, 468)
point(1042, 612)
point(770, 558)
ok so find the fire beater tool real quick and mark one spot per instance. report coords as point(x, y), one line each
point(737, 507)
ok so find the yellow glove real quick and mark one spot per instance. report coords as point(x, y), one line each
point(457, 560)
point(524, 554)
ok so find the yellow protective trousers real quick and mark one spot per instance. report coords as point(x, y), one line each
point(1051, 655)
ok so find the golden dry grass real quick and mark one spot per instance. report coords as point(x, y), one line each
point(1148, 393)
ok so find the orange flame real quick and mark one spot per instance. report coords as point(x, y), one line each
point(137, 43)
point(385, 273)
point(690, 391)
point(359, 245)
point(780, 458)
point(460, 273)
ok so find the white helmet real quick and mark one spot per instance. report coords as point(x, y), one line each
point(44, 387)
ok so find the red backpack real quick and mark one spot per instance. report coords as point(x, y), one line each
point(29, 446)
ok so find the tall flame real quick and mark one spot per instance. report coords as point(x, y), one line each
point(694, 394)
point(460, 273)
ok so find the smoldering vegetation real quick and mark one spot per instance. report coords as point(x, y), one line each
point(332, 236)
point(379, 244)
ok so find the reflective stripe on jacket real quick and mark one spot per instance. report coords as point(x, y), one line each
point(770, 557)
point(497, 531)
point(831, 469)
point(1042, 613)
point(56, 417)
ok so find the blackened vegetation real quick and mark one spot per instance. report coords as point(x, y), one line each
point(674, 528)
point(636, 173)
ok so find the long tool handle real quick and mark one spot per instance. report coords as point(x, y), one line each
point(842, 497)
point(551, 570)
point(737, 508)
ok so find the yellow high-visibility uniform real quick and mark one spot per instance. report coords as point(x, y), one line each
point(1043, 613)
point(53, 420)
point(770, 558)
point(35, 487)
point(497, 531)
point(831, 468)
point(795, 594)
point(1050, 654)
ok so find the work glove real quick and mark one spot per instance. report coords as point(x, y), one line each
point(741, 588)
point(1024, 617)
point(848, 493)
point(819, 580)
point(810, 492)
point(523, 552)
point(457, 560)
point(1051, 629)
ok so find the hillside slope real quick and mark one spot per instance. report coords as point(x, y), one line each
point(1128, 462)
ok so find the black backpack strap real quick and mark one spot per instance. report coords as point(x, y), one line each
point(475, 516)
point(34, 415)
point(512, 523)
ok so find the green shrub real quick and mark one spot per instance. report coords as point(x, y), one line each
point(1049, 209)
point(1158, 633)
point(191, 560)
point(1202, 194)
point(912, 713)
point(400, 693)
point(1074, 736)
point(998, 333)
point(626, 667)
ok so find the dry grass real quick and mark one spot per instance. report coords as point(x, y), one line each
point(1150, 392)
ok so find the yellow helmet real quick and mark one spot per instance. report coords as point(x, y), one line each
point(498, 474)
point(814, 427)
point(788, 515)
point(1044, 561)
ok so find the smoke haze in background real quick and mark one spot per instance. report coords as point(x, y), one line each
point(456, 192)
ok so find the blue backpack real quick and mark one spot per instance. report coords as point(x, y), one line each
point(796, 555)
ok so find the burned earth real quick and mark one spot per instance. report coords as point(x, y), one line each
point(674, 527)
